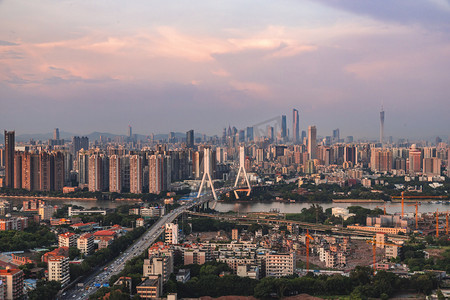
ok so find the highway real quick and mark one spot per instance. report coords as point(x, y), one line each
point(137, 248)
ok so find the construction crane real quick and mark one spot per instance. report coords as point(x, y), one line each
point(308, 237)
point(384, 208)
point(437, 223)
point(417, 212)
point(374, 243)
point(413, 197)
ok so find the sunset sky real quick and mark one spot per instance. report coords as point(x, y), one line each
point(164, 66)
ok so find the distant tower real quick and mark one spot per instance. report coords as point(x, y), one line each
point(190, 139)
point(9, 158)
point(381, 125)
point(56, 134)
point(130, 131)
point(295, 127)
point(283, 127)
point(243, 172)
point(312, 143)
point(206, 172)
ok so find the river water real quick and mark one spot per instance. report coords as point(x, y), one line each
point(283, 207)
point(241, 207)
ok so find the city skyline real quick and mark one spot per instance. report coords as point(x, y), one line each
point(100, 66)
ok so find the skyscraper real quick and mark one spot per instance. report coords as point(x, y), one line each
point(136, 174)
point(96, 173)
point(381, 125)
point(336, 135)
point(283, 127)
point(295, 127)
point(158, 173)
point(115, 174)
point(249, 134)
point(56, 134)
point(190, 139)
point(9, 158)
point(312, 143)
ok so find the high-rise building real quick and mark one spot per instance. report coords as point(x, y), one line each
point(136, 174)
point(130, 132)
point(56, 134)
point(415, 159)
point(190, 139)
point(312, 142)
point(59, 171)
point(115, 174)
point(83, 168)
point(18, 170)
point(283, 127)
point(159, 173)
point(351, 154)
point(46, 171)
point(96, 173)
point(9, 158)
point(295, 127)
point(432, 166)
point(336, 135)
point(12, 280)
point(58, 269)
point(381, 125)
point(249, 134)
point(381, 160)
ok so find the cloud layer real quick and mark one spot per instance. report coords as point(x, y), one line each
point(84, 66)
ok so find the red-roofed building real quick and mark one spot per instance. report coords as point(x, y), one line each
point(105, 238)
point(84, 226)
point(61, 251)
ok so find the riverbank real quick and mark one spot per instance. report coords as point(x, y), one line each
point(67, 198)
point(47, 198)
point(358, 201)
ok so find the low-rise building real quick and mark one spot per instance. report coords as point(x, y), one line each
point(150, 288)
point(250, 271)
point(280, 264)
point(183, 275)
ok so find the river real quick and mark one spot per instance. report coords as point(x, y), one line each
point(283, 207)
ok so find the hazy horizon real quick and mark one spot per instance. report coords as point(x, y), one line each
point(86, 66)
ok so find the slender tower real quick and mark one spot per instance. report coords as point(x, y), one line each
point(243, 173)
point(381, 125)
point(9, 158)
point(295, 127)
point(206, 173)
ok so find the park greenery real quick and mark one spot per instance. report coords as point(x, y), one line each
point(45, 290)
point(34, 236)
point(316, 214)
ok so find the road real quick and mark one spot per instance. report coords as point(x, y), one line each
point(137, 248)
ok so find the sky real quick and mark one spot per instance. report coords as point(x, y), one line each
point(160, 66)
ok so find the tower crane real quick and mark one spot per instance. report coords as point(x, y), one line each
point(417, 211)
point(413, 197)
point(308, 237)
point(374, 243)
